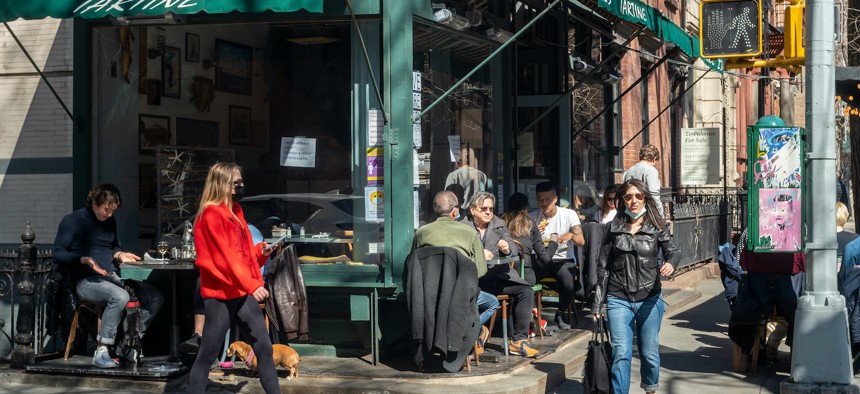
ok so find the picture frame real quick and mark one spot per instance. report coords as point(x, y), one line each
point(192, 48)
point(240, 125)
point(153, 131)
point(259, 134)
point(234, 71)
point(171, 72)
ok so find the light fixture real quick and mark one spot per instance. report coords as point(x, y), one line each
point(609, 78)
point(577, 64)
point(452, 20)
point(494, 33)
point(166, 19)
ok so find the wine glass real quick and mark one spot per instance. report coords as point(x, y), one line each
point(162, 248)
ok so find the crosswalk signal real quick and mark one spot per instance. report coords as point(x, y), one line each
point(793, 29)
point(730, 28)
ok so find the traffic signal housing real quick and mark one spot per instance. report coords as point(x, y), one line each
point(730, 28)
point(793, 30)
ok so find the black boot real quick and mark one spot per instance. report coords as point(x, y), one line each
point(562, 321)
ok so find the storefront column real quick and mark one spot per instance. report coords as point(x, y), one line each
point(565, 145)
point(397, 80)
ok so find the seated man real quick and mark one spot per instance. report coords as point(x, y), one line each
point(497, 241)
point(445, 231)
point(87, 244)
point(553, 219)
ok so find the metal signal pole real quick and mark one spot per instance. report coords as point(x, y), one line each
point(822, 354)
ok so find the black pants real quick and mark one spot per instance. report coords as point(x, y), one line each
point(565, 272)
point(522, 298)
point(219, 315)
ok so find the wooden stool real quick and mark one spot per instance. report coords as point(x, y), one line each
point(503, 305)
point(74, 329)
point(739, 359)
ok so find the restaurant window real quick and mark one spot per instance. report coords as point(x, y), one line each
point(455, 150)
point(589, 146)
point(286, 101)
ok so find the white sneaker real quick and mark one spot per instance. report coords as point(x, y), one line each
point(101, 358)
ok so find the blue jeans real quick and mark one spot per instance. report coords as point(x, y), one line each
point(487, 304)
point(107, 291)
point(644, 319)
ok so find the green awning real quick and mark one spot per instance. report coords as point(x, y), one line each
point(37, 9)
point(643, 14)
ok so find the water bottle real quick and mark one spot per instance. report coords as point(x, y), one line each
point(289, 231)
point(302, 231)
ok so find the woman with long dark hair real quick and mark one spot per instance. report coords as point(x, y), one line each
point(230, 279)
point(524, 230)
point(628, 278)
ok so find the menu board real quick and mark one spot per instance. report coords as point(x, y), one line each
point(181, 176)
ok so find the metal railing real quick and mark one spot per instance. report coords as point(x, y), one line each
point(10, 280)
point(702, 219)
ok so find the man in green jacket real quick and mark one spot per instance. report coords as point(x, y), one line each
point(446, 231)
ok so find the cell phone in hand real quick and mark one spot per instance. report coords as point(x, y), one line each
point(276, 243)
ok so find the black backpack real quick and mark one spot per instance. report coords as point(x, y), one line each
point(130, 345)
point(597, 374)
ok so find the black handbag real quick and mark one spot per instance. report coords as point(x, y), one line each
point(596, 375)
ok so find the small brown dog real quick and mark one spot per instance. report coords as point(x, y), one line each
point(283, 355)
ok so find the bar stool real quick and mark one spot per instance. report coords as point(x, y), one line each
point(503, 302)
point(74, 326)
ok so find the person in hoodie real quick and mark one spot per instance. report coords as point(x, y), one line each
point(230, 279)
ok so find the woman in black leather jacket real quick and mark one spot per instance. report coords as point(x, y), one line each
point(628, 277)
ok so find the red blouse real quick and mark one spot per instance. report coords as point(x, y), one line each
point(228, 260)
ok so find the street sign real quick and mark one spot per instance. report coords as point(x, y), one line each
point(730, 28)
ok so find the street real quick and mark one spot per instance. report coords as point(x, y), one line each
point(696, 354)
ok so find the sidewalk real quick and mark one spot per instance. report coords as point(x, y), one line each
point(563, 357)
point(696, 354)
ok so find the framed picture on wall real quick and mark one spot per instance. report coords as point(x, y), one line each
point(171, 72)
point(192, 48)
point(240, 125)
point(259, 134)
point(154, 131)
point(234, 72)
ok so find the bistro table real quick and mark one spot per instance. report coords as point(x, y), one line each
point(172, 266)
point(502, 260)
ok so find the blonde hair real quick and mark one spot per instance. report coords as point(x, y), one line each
point(215, 191)
point(519, 223)
point(841, 214)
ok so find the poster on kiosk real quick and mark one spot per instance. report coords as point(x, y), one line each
point(775, 182)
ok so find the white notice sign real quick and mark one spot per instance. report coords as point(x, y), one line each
point(375, 127)
point(701, 163)
point(374, 200)
point(454, 147)
point(298, 152)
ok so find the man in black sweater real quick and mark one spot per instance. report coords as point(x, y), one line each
point(87, 244)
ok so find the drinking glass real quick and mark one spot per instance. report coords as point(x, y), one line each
point(162, 248)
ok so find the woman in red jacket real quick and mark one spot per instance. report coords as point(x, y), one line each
point(231, 284)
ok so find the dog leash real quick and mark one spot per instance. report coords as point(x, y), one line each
point(249, 359)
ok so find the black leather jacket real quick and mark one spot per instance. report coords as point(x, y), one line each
point(629, 261)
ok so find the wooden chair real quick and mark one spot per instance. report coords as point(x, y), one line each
point(739, 359)
point(503, 305)
point(74, 326)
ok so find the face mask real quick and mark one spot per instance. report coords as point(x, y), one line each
point(240, 192)
point(635, 216)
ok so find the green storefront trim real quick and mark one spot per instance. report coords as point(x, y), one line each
point(643, 14)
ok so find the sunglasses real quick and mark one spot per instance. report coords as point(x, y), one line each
point(610, 197)
point(238, 182)
point(486, 209)
point(638, 196)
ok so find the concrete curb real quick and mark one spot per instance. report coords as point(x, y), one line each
point(536, 377)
